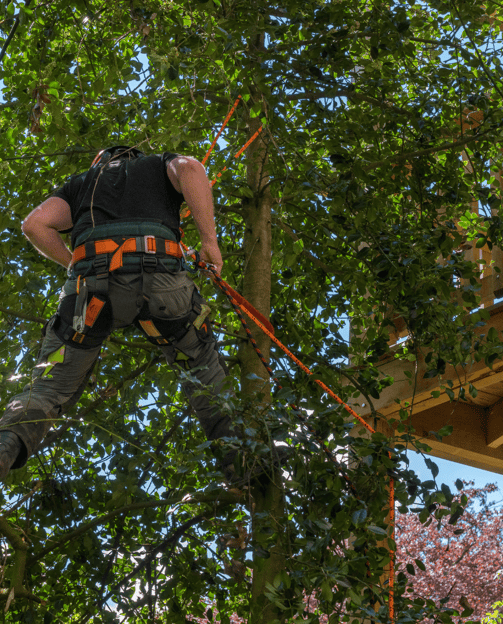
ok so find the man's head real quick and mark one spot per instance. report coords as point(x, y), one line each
point(115, 152)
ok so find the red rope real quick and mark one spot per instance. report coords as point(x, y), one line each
point(238, 154)
point(238, 308)
point(226, 121)
point(240, 304)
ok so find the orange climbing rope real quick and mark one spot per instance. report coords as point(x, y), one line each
point(238, 154)
point(248, 311)
point(240, 304)
point(226, 121)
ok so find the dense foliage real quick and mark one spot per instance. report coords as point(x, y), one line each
point(122, 514)
point(461, 565)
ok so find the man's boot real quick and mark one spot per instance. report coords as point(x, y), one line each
point(10, 447)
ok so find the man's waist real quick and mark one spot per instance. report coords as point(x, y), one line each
point(116, 230)
point(123, 245)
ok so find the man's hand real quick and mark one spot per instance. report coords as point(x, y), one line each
point(211, 255)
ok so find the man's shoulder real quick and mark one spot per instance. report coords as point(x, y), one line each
point(73, 182)
point(167, 157)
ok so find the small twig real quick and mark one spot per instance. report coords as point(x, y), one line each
point(22, 315)
point(38, 485)
point(12, 33)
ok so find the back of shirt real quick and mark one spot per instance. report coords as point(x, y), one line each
point(123, 190)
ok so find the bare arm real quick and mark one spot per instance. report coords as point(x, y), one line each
point(189, 178)
point(42, 226)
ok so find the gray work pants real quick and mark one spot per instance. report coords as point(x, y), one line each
point(63, 369)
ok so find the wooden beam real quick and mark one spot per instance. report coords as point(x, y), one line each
point(495, 425)
point(468, 443)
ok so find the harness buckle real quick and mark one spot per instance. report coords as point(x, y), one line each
point(149, 264)
point(149, 244)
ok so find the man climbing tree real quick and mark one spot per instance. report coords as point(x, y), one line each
point(127, 268)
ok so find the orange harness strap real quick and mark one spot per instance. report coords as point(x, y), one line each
point(131, 245)
point(93, 310)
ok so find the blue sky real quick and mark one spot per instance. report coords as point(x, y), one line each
point(450, 471)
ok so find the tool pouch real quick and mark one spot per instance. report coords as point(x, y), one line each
point(84, 319)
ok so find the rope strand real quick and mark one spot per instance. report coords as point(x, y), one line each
point(239, 309)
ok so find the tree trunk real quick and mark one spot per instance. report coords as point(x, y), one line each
point(267, 498)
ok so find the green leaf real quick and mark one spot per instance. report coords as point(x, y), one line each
point(432, 466)
point(359, 516)
point(377, 530)
point(327, 591)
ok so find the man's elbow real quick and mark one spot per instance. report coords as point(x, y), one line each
point(32, 227)
point(29, 226)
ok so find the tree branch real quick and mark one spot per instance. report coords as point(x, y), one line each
point(12, 33)
point(20, 548)
point(21, 315)
point(38, 485)
point(150, 557)
point(425, 152)
point(55, 435)
point(67, 153)
point(351, 95)
point(147, 346)
point(224, 498)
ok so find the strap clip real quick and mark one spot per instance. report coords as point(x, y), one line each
point(149, 263)
point(149, 244)
point(100, 263)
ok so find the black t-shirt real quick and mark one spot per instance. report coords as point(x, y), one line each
point(125, 190)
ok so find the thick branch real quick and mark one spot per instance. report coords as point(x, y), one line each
point(19, 565)
point(12, 33)
point(396, 158)
point(224, 498)
point(16, 541)
point(55, 435)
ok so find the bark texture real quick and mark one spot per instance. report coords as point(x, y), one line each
point(267, 498)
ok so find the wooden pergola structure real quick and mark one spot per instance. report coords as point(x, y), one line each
point(477, 438)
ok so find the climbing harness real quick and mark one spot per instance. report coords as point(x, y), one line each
point(139, 244)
